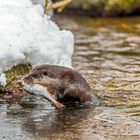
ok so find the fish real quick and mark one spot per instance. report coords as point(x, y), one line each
point(39, 90)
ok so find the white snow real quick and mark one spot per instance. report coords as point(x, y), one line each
point(29, 36)
point(42, 2)
point(2, 80)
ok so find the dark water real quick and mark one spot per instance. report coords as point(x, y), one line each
point(107, 54)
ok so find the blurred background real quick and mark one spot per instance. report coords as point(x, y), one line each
point(102, 8)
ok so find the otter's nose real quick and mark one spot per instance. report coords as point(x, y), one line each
point(21, 82)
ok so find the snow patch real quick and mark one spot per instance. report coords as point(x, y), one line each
point(29, 36)
point(2, 80)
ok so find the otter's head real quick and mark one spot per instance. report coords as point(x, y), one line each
point(36, 75)
point(33, 75)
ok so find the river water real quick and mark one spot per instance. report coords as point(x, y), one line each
point(107, 54)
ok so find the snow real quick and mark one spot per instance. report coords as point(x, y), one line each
point(2, 80)
point(29, 36)
point(42, 2)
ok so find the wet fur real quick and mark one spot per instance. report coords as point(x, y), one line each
point(66, 84)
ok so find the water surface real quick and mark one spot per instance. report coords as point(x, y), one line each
point(107, 54)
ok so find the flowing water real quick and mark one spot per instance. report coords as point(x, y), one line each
point(107, 54)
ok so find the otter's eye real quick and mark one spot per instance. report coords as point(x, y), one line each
point(44, 73)
point(35, 76)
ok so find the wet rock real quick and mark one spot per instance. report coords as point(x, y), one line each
point(15, 107)
point(12, 76)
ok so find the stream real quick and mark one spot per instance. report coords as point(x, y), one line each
point(107, 55)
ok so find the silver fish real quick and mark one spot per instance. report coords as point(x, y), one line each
point(39, 90)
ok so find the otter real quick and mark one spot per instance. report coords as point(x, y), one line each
point(65, 85)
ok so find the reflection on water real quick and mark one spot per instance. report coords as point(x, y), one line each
point(107, 54)
point(38, 121)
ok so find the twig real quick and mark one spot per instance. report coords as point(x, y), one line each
point(58, 5)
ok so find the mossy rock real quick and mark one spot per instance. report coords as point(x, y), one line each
point(15, 74)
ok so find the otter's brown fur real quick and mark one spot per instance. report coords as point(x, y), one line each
point(66, 84)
